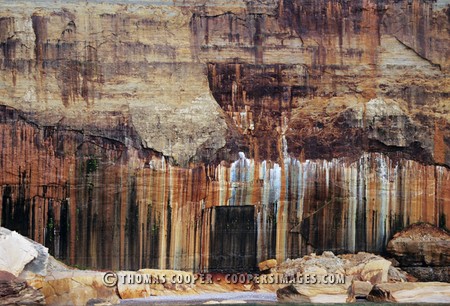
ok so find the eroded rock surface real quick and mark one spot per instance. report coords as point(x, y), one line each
point(123, 124)
point(359, 267)
point(424, 251)
point(353, 276)
point(75, 192)
point(368, 277)
point(276, 68)
point(15, 291)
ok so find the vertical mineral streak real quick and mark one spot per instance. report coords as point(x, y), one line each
point(100, 204)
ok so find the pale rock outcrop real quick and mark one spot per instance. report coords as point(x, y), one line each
point(358, 290)
point(355, 269)
point(18, 253)
point(74, 287)
point(267, 264)
point(155, 282)
point(361, 266)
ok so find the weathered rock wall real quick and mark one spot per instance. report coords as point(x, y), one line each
point(285, 67)
point(98, 203)
point(122, 123)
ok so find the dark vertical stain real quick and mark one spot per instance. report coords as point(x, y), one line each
point(50, 228)
point(39, 24)
point(169, 234)
point(64, 231)
point(233, 239)
point(258, 39)
point(132, 228)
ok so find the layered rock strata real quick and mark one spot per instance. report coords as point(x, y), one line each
point(123, 126)
point(424, 251)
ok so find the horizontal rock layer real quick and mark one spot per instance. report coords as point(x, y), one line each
point(277, 68)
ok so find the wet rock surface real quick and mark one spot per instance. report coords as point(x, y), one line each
point(73, 191)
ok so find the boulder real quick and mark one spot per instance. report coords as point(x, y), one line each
point(359, 271)
point(15, 291)
point(418, 292)
point(380, 295)
point(362, 266)
point(423, 250)
point(358, 290)
point(421, 244)
point(267, 264)
point(367, 267)
point(18, 253)
point(290, 294)
point(397, 275)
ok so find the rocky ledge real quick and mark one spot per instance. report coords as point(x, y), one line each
point(368, 277)
point(424, 251)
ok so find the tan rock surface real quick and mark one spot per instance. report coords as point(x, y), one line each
point(74, 287)
point(358, 289)
point(157, 69)
point(267, 264)
point(431, 292)
point(362, 266)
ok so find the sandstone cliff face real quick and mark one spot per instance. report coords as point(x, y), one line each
point(122, 126)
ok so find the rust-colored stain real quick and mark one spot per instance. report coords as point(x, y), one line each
point(95, 206)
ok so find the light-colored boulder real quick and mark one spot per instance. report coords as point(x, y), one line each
point(18, 253)
point(366, 267)
point(74, 287)
point(376, 271)
point(362, 266)
point(358, 290)
point(267, 264)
